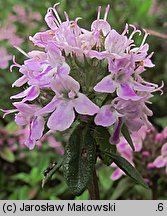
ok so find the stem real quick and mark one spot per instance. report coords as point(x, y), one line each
point(51, 173)
point(93, 187)
point(154, 189)
point(156, 34)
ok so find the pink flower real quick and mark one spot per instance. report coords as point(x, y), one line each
point(52, 142)
point(161, 161)
point(117, 44)
point(121, 81)
point(73, 68)
point(101, 25)
point(26, 116)
point(150, 166)
point(67, 99)
point(133, 113)
point(159, 137)
point(164, 132)
point(5, 58)
point(125, 150)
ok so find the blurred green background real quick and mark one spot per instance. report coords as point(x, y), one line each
point(21, 169)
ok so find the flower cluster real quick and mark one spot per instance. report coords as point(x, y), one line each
point(22, 134)
point(12, 139)
point(5, 58)
point(125, 151)
point(7, 140)
point(153, 152)
point(78, 72)
point(161, 160)
point(9, 30)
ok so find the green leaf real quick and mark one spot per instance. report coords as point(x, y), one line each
point(125, 166)
point(7, 154)
point(102, 137)
point(126, 134)
point(24, 177)
point(79, 160)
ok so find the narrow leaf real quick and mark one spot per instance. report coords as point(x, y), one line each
point(126, 134)
point(125, 166)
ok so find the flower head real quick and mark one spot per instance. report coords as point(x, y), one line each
point(74, 67)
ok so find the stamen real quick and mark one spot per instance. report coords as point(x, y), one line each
point(144, 39)
point(51, 33)
point(15, 64)
point(7, 112)
point(99, 11)
point(134, 31)
point(72, 25)
point(106, 13)
point(55, 11)
point(147, 83)
point(78, 18)
point(159, 88)
point(66, 16)
point(126, 29)
point(51, 11)
point(22, 51)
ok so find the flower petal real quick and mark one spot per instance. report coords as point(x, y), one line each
point(117, 174)
point(114, 139)
point(105, 85)
point(140, 87)
point(126, 92)
point(64, 82)
point(50, 107)
point(32, 94)
point(41, 39)
point(164, 150)
point(37, 128)
point(134, 124)
point(50, 20)
point(7, 112)
point(83, 105)
point(20, 119)
point(21, 94)
point(21, 81)
point(105, 117)
point(30, 143)
point(159, 162)
point(62, 117)
point(28, 109)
